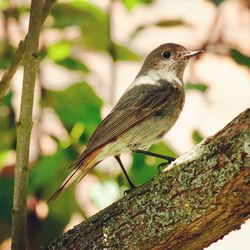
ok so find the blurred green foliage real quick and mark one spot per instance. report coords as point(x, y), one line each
point(197, 136)
point(130, 4)
point(78, 103)
point(88, 18)
point(144, 166)
point(240, 58)
point(46, 176)
point(6, 199)
point(6, 51)
point(201, 87)
point(166, 23)
point(8, 130)
point(78, 108)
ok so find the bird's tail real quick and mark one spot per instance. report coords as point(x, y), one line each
point(81, 168)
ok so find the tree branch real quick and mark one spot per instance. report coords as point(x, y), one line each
point(17, 58)
point(201, 197)
point(24, 126)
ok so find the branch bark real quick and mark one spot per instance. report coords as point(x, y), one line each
point(17, 58)
point(24, 126)
point(201, 197)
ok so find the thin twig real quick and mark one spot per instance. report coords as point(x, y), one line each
point(17, 58)
point(24, 126)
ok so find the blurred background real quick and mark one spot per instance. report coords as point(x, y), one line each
point(90, 52)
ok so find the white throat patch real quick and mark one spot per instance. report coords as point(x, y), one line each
point(154, 76)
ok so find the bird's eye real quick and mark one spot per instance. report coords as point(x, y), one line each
point(166, 54)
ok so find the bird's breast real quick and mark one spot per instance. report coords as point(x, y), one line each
point(174, 105)
point(152, 130)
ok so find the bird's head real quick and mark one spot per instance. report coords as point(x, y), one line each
point(168, 60)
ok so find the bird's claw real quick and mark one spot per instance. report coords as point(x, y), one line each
point(162, 165)
point(126, 192)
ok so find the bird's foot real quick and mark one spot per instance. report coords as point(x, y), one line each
point(132, 187)
point(162, 165)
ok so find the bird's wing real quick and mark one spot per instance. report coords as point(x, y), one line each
point(133, 107)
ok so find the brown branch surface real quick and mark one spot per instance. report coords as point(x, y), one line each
point(201, 197)
point(17, 58)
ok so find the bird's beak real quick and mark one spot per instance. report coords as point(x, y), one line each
point(190, 54)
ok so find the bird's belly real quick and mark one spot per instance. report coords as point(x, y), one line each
point(141, 136)
point(152, 130)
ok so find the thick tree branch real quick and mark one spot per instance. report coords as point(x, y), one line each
point(17, 58)
point(201, 197)
point(24, 126)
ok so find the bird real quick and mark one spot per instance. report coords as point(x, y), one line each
point(142, 116)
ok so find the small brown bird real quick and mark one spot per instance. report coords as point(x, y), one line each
point(142, 116)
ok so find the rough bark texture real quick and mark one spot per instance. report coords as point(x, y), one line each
point(201, 197)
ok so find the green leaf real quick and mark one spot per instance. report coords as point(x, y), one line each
point(73, 64)
point(6, 201)
point(59, 51)
point(77, 131)
point(169, 23)
point(7, 124)
point(196, 86)
point(65, 15)
point(125, 54)
point(240, 58)
point(4, 4)
point(48, 173)
point(7, 99)
point(145, 167)
point(61, 54)
point(163, 23)
point(76, 104)
point(92, 21)
point(130, 4)
point(3, 155)
point(6, 53)
point(197, 137)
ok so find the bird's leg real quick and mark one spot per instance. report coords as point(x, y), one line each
point(132, 186)
point(162, 165)
point(165, 157)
